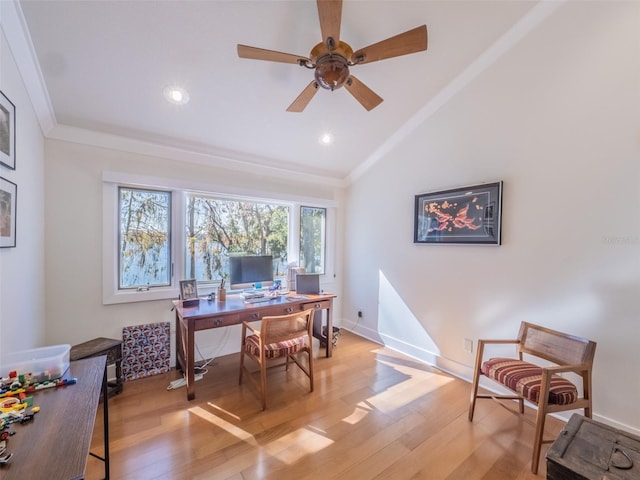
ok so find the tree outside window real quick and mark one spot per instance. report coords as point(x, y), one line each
point(312, 239)
point(217, 228)
point(144, 238)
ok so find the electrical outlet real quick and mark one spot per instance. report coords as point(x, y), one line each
point(359, 313)
point(468, 345)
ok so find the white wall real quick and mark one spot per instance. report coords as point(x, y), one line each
point(75, 312)
point(22, 306)
point(557, 118)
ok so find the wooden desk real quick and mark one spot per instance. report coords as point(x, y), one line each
point(55, 444)
point(233, 311)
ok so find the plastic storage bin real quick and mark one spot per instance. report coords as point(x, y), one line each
point(46, 363)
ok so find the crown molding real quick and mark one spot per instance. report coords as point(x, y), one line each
point(506, 42)
point(14, 28)
point(227, 160)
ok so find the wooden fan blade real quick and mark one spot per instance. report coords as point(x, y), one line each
point(300, 103)
point(330, 13)
point(413, 41)
point(367, 97)
point(256, 53)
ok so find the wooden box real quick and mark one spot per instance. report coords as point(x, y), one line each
point(588, 450)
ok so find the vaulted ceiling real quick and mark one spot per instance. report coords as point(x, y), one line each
point(105, 65)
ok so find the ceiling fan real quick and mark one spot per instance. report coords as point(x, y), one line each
point(332, 57)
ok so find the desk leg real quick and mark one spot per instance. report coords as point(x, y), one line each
point(179, 344)
point(105, 419)
point(329, 332)
point(317, 330)
point(190, 358)
point(185, 352)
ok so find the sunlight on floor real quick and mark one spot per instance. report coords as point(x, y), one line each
point(296, 445)
point(418, 384)
point(358, 414)
point(223, 411)
point(224, 425)
point(288, 449)
point(407, 381)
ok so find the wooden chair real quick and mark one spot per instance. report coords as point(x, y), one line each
point(540, 385)
point(283, 336)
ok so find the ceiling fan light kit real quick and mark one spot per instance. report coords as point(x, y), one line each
point(331, 72)
point(331, 58)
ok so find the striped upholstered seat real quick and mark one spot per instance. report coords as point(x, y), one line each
point(525, 379)
point(275, 350)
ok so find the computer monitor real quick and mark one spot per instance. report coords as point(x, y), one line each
point(250, 271)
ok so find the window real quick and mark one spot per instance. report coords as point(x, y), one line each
point(158, 231)
point(144, 246)
point(312, 239)
point(217, 228)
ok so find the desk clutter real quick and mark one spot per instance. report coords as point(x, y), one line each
point(17, 404)
point(55, 442)
point(45, 363)
point(23, 373)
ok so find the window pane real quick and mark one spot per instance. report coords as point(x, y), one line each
point(312, 239)
point(144, 238)
point(217, 228)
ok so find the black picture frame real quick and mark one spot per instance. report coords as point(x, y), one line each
point(8, 212)
point(188, 289)
point(465, 215)
point(7, 132)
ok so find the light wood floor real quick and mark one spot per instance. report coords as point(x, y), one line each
point(374, 414)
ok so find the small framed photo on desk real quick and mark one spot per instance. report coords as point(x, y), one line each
point(189, 293)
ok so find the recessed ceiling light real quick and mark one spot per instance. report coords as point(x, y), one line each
point(326, 139)
point(176, 95)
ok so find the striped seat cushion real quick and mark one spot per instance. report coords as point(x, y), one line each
point(275, 350)
point(525, 378)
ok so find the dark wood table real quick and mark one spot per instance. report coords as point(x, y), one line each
point(110, 347)
point(55, 444)
point(234, 311)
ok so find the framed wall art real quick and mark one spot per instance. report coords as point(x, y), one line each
point(8, 198)
point(7, 132)
point(466, 215)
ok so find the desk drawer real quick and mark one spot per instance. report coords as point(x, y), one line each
point(217, 321)
point(283, 309)
point(317, 305)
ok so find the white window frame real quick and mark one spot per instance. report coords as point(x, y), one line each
point(111, 294)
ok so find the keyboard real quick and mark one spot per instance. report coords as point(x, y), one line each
point(258, 299)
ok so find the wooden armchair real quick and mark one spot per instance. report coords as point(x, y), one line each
point(541, 385)
point(283, 336)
